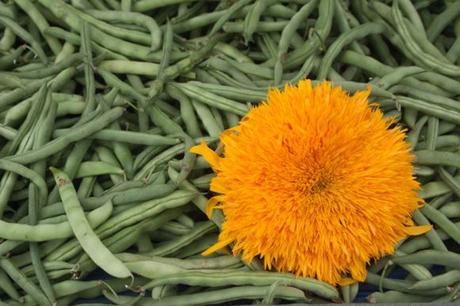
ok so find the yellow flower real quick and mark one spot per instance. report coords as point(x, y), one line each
point(315, 182)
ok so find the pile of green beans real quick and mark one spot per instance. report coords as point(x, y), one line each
point(101, 100)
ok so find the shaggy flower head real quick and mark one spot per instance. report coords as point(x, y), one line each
point(315, 182)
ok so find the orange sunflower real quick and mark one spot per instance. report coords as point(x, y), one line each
point(315, 182)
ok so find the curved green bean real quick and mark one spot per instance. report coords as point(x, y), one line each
point(216, 279)
point(73, 135)
point(359, 32)
point(45, 232)
point(89, 241)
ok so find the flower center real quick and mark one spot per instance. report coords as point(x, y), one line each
point(321, 184)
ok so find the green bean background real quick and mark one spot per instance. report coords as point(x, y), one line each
point(112, 95)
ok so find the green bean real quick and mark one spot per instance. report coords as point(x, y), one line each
point(7, 286)
point(200, 201)
point(7, 132)
point(423, 171)
point(203, 182)
point(427, 157)
point(128, 217)
point(173, 245)
point(135, 18)
point(21, 32)
point(440, 201)
point(22, 281)
point(411, 12)
point(124, 88)
point(230, 294)
point(131, 67)
point(29, 174)
point(209, 122)
point(20, 93)
point(90, 243)
point(19, 111)
point(345, 22)
point(152, 270)
point(126, 137)
point(252, 69)
point(160, 119)
point(72, 136)
point(117, 243)
point(345, 39)
point(50, 266)
point(8, 39)
point(123, 154)
point(442, 280)
point(94, 168)
point(211, 99)
point(430, 109)
point(450, 297)
point(323, 27)
point(232, 52)
point(148, 192)
point(433, 189)
point(251, 21)
point(426, 96)
point(221, 65)
point(44, 232)
point(30, 9)
point(105, 155)
point(414, 49)
point(110, 42)
point(186, 221)
point(216, 279)
point(47, 118)
point(197, 22)
point(430, 257)
point(420, 243)
point(442, 20)
point(85, 49)
point(449, 180)
point(401, 285)
point(286, 36)
point(431, 235)
point(72, 16)
point(145, 156)
point(454, 51)
point(376, 68)
point(128, 236)
point(228, 14)
point(188, 264)
point(147, 5)
point(239, 94)
point(432, 133)
point(187, 113)
point(393, 296)
point(263, 26)
point(451, 209)
point(188, 161)
point(442, 221)
point(9, 59)
point(397, 75)
point(74, 39)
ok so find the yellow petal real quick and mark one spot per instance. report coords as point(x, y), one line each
point(213, 204)
point(346, 281)
point(418, 230)
point(209, 155)
point(216, 247)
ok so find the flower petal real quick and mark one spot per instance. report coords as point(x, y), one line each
point(418, 230)
point(209, 155)
point(346, 281)
point(216, 247)
point(213, 203)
